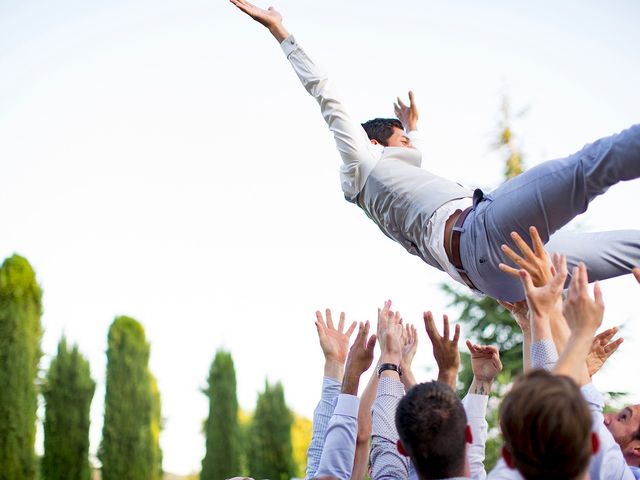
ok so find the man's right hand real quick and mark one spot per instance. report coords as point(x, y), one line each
point(334, 343)
point(270, 18)
point(445, 350)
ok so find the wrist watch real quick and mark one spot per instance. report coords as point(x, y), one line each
point(389, 366)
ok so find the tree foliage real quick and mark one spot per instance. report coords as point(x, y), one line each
point(128, 445)
point(300, 440)
point(68, 390)
point(20, 335)
point(223, 449)
point(270, 452)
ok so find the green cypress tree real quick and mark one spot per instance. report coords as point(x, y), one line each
point(126, 450)
point(68, 391)
point(222, 457)
point(20, 335)
point(270, 451)
point(156, 428)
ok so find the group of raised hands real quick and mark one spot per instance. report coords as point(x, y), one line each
point(398, 343)
point(571, 321)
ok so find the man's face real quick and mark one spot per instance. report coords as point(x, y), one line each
point(623, 425)
point(399, 139)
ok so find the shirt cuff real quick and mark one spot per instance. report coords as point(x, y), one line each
point(288, 45)
point(330, 388)
point(592, 395)
point(390, 386)
point(475, 405)
point(347, 405)
point(544, 354)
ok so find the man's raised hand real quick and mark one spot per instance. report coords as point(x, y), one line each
point(270, 18)
point(486, 365)
point(390, 333)
point(408, 115)
point(334, 343)
point(359, 359)
point(536, 262)
point(445, 350)
point(542, 300)
point(583, 314)
point(408, 353)
point(601, 349)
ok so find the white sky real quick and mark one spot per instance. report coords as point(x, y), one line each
point(160, 159)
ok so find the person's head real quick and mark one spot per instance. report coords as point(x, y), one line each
point(432, 426)
point(625, 428)
point(546, 426)
point(387, 132)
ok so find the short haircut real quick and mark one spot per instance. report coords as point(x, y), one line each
point(431, 423)
point(381, 129)
point(546, 426)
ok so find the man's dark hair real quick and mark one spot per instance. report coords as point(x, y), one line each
point(431, 423)
point(546, 426)
point(381, 129)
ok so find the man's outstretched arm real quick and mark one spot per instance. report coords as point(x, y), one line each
point(359, 156)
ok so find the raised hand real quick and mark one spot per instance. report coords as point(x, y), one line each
point(408, 353)
point(359, 359)
point(536, 262)
point(601, 349)
point(543, 299)
point(520, 313)
point(408, 115)
point(583, 314)
point(390, 332)
point(270, 18)
point(485, 361)
point(334, 343)
point(445, 350)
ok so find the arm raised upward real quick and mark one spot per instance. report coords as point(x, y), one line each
point(359, 156)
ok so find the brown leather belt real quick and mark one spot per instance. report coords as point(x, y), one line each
point(453, 250)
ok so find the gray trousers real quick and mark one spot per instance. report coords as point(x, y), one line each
point(548, 196)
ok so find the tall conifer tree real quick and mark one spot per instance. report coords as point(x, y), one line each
point(270, 452)
point(68, 391)
point(127, 447)
point(20, 335)
point(222, 458)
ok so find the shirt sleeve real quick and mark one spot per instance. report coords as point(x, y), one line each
point(416, 141)
point(544, 354)
point(340, 444)
point(359, 155)
point(608, 463)
point(386, 461)
point(502, 472)
point(321, 417)
point(475, 406)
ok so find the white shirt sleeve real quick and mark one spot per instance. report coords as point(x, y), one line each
point(608, 463)
point(502, 472)
point(340, 443)
point(544, 354)
point(475, 406)
point(359, 155)
point(386, 461)
point(321, 417)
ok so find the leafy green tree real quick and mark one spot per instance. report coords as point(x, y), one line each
point(270, 452)
point(222, 430)
point(20, 335)
point(156, 428)
point(68, 391)
point(127, 449)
